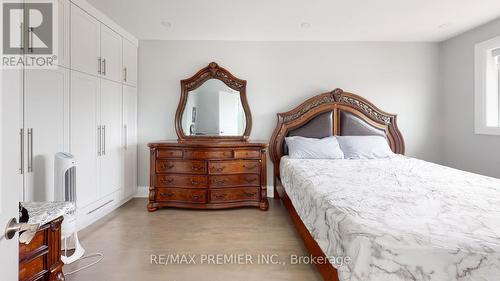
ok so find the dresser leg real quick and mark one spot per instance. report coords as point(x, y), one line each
point(264, 205)
point(152, 207)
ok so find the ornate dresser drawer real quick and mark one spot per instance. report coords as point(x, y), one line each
point(182, 195)
point(181, 166)
point(208, 175)
point(234, 194)
point(234, 167)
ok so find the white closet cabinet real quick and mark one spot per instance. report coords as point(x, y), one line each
point(63, 22)
point(129, 63)
point(130, 139)
point(46, 128)
point(85, 42)
point(85, 133)
point(111, 54)
point(111, 170)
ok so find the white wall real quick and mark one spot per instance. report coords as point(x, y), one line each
point(462, 148)
point(398, 77)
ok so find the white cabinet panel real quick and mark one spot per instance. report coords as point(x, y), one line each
point(84, 135)
point(85, 41)
point(63, 22)
point(130, 139)
point(111, 54)
point(111, 120)
point(129, 63)
point(46, 100)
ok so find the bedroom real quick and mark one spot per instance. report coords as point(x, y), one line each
point(157, 182)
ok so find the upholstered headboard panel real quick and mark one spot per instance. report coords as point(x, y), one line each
point(334, 113)
point(353, 125)
point(319, 126)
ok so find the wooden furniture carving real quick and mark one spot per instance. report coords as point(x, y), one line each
point(212, 165)
point(41, 259)
point(208, 175)
point(328, 114)
point(217, 81)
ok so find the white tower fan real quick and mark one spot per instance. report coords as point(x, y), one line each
point(65, 190)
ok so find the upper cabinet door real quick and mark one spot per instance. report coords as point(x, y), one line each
point(129, 63)
point(85, 42)
point(111, 54)
point(46, 119)
point(63, 33)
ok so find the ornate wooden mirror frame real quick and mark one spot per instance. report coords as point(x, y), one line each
point(212, 71)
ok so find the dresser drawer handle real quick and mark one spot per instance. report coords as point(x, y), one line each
point(196, 197)
point(167, 181)
point(220, 196)
point(196, 168)
point(250, 167)
point(164, 166)
point(250, 180)
point(250, 194)
point(220, 182)
point(219, 169)
point(169, 195)
point(193, 182)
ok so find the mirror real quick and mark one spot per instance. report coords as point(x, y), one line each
point(213, 105)
point(213, 109)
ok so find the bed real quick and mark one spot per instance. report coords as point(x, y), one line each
point(383, 219)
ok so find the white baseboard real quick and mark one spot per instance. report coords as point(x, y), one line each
point(143, 192)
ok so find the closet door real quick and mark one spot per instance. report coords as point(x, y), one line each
point(85, 42)
point(111, 122)
point(111, 54)
point(130, 139)
point(63, 22)
point(46, 103)
point(129, 63)
point(85, 135)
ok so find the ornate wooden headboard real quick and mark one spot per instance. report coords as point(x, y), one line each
point(335, 113)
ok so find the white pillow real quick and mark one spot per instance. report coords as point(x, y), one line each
point(310, 148)
point(365, 147)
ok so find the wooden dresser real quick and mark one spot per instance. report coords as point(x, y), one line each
point(41, 258)
point(208, 174)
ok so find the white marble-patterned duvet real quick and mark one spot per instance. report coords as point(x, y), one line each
point(399, 218)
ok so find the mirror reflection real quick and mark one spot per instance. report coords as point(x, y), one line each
point(213, 109)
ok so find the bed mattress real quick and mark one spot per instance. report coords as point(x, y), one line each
point(399, 218)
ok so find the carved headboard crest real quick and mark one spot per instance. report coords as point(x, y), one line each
point(339, 104)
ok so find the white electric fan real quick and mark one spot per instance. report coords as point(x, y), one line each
point(65, 190)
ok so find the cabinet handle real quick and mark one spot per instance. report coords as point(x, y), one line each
point(249, 194)
point(21, 135)
point(196, 168)
point(220, 196)
point(30, 150)
point(99, 62)
point(167, 181)
point(104, 140)
point(220, 169)
point(251, 167)
point(196, 197)
point(124, 74)
point(98, 140)
point(30, 41)
point(164, 166)
point(250, 180)
point(22, 36)
point(220, 182)
point(167, 195)
point(126, 136)
point(193, 182)
point(104, 67)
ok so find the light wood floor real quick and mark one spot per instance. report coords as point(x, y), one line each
point(130, 235)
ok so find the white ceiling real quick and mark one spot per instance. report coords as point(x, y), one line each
point(283, 20)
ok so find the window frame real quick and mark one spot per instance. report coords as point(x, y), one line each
point(486, 68)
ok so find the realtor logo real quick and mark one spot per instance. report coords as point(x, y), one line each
point(29, 34)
